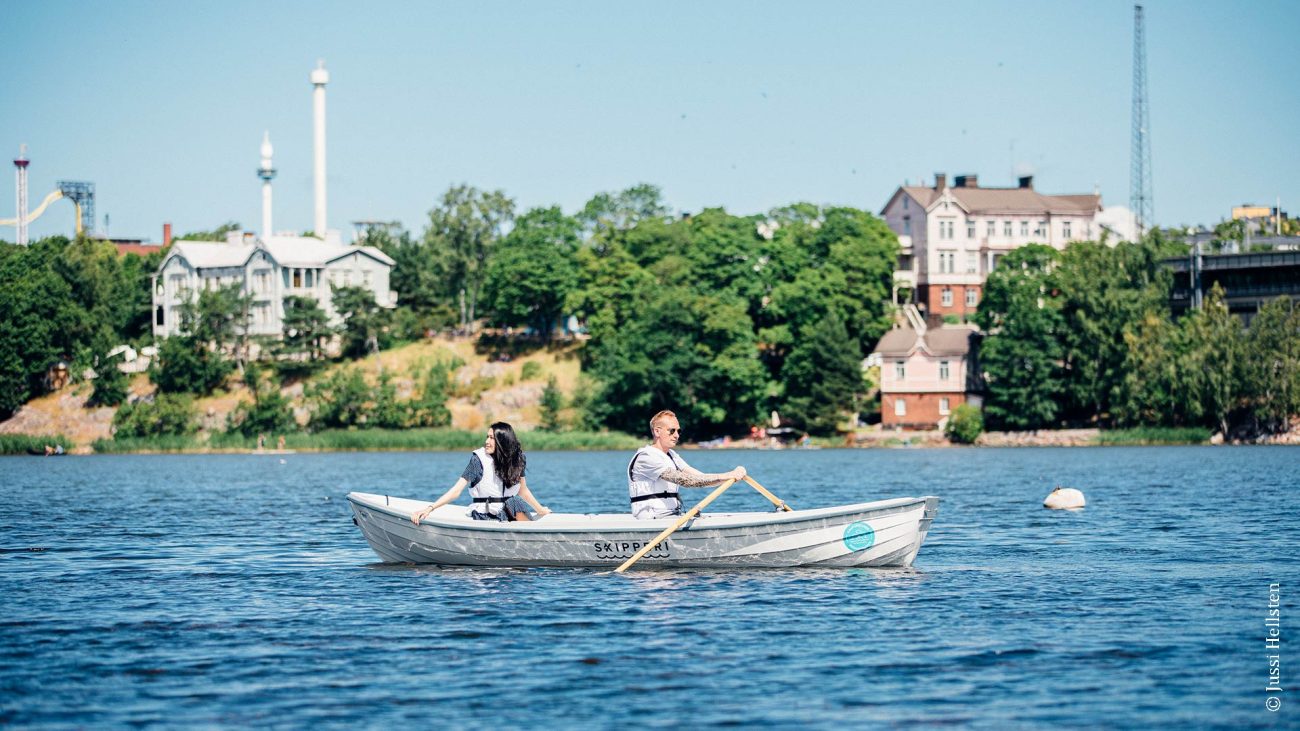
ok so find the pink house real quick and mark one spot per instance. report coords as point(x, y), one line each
point(925, 373)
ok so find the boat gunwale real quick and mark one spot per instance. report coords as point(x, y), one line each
point(773, 518)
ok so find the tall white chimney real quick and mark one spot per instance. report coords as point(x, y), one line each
point(319, 78)
point(266, 171)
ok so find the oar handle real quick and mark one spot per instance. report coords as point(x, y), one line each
point(680, 522)
point(763, 490)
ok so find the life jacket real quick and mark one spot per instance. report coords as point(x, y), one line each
point(489, 494)
point(655, 497)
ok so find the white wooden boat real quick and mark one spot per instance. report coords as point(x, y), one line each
point(878, 534)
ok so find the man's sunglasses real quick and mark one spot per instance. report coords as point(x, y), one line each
point(671, 431)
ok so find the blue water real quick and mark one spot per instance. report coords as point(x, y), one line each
point(234, 591)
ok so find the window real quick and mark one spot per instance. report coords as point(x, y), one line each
point(970, 228)
point(365, 278)
point(943, 405)
point(1024, 227)
point(905, 199)
point(900, 407)
point(946, 297)
point(1087, 231)
point(309, 277)
point(943, 370)
point(297, 278)
point(907, 225)
point(1006, 229)
point(971, 298)
point(947, 261)
point(1041, 229)
point(950, 224)
point(900, 370)
point(945, 229)
point(1065, 230)
point(992, 229)
point(972, 262)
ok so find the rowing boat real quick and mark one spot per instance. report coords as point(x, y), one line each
point(884, 533)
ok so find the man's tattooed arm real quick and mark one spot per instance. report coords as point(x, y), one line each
point(693, 478)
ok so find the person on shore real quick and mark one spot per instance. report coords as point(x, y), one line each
point(495, 476)
point(656, 472)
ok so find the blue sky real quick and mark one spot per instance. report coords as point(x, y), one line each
point(745, 105)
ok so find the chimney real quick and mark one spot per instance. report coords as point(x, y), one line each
point(940, 181)
point(967, 181)
point(167, 234)
point(1027, 182)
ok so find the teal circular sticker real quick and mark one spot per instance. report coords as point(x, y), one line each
point(859, 536)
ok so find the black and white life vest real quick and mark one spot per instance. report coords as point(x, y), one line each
point(489, 494)
point(655, 498)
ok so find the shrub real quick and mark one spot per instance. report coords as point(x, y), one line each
point(965, 424)
point(165, 414)
point(552, 403)
point(430, 407)
point(340, 400)
point(271, 413)
point(531, 369)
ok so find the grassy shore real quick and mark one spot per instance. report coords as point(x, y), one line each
point(368, 440)
point(27, 444)
point(1152, 435)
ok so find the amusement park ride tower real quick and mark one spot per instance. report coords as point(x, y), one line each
point(20, 167)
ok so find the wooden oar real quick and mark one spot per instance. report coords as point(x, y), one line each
point(775, 500)
point(680, 522)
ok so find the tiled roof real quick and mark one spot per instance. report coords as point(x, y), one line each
point(951, 340)
point(1009, 200)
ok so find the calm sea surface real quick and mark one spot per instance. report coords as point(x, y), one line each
point(234, 591)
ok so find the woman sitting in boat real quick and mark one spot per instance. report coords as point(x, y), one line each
point(495, 476)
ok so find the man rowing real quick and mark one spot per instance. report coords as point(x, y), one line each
point(657, 472)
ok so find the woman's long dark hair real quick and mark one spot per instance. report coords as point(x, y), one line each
point(508, 458)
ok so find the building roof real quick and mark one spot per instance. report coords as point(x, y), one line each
point(903, 341)
point(289, 251)
point(984, 201)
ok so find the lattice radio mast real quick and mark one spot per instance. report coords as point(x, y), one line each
point(1140, 197)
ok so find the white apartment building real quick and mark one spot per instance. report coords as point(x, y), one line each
point(269, 269)
point(953, 236)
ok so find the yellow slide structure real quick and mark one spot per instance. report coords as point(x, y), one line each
point(36, 213)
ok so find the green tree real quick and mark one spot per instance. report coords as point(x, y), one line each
point(194, 360)
point(823, 377)
point(164, 414)
point(306, 330)
point(608, 213)
point(462, 232)
point(1021, 352)
point(551, 405)
point(1105, 291)
point(110, 387)
point(37, 319)
point(1214, 360)
point(216, 234)
point(1270, 381)
point(429, 408)
point(340, 400)
point(365, 323)
point(533, 271)
point(965, 424)
point(269, 413)
point(689, 352)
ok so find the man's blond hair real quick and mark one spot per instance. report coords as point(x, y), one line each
point(660, 417)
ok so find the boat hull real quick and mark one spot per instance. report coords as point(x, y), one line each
point(887, 533)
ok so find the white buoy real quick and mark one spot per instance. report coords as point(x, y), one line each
point(1065, 498)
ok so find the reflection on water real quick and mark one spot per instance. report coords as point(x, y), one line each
point(231, 590)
